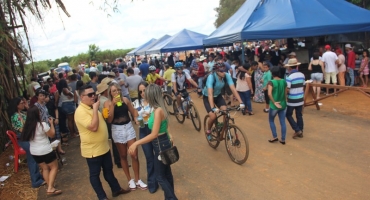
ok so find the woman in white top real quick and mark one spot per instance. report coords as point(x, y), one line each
point(244, 88)
point(37, 133)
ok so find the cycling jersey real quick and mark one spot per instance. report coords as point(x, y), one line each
point(180, 79)
point(218, 85)
point(150, 78)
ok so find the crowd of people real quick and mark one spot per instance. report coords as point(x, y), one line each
point(99, 101)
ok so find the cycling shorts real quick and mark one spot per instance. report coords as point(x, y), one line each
point(218, 101)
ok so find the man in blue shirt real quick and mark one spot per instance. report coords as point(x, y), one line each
point(144, 69)
point(212, 96)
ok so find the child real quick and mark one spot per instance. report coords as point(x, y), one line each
point(265, 79)
point(364, 69)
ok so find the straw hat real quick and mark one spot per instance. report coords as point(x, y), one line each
point(348, 46)
point(106, 81)
point(101, 88)
point(70, 73)
point(292, 54)
point(202, 58)
point(292, 62)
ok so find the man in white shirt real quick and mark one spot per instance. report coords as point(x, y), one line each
point(330, 60)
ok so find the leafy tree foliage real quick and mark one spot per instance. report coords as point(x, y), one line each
point(226, 9)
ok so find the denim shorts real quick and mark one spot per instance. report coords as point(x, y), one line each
point(68, 107)
point(317, 76)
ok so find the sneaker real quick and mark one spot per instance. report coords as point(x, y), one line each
point(179, 109)
point(266, 110)
point(132, 185)
point(209, 136)
point(297, 134)
point(140, 184)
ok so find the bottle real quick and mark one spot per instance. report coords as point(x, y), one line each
point(219, 125)
point(184, 104)
point(141, 121)
point(119, 103)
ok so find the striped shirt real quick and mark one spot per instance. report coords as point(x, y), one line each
point(295, 82)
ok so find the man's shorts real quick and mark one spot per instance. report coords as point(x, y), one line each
point(218, 101)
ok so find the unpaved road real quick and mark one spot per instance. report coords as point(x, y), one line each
point(332, 161)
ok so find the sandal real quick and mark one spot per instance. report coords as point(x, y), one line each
point(282, 142)
point(274, 140)
point(56, 192)
point(62, 152)
point(250, 113)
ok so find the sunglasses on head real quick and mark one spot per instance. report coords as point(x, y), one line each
point(91, 94)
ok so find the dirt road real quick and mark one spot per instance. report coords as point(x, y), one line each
point(332, 161)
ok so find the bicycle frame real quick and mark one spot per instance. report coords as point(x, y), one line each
point(226, 121)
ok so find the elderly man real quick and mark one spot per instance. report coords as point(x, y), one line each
point(94, 143)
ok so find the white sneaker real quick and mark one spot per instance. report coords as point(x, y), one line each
point(132, 185)
point(179, 109)
point(140, 184)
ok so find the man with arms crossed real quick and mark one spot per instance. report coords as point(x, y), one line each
point(94, 143)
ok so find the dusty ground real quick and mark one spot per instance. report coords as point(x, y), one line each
point(332, 161)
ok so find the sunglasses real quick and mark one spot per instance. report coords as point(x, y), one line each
point(91, 94)
point(141, 91)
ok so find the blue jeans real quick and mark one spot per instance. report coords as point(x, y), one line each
point(95, 165)
point(200, 82)
point(296, 126)
point(149, 156)
point(164, 174)
point(246, 98)
point(281, 114)
point(352, 77)
point(36, 178)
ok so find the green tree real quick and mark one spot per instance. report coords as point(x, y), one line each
point(226, 9)
point(93, 51)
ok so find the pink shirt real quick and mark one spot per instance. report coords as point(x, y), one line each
point(242, 85)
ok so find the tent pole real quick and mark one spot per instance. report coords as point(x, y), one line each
point(243, 59)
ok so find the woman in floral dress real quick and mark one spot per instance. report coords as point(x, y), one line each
point(259, 96)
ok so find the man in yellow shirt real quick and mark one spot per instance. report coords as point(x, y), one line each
point(94, 143)
point(84, 77)
point(167, 76)
point(152, 76)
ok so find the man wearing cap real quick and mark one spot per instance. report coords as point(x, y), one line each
point(351, 58)
point(330, 60)
point(31, 87)
point(295, 86)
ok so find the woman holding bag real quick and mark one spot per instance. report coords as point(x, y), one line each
point(160, 139)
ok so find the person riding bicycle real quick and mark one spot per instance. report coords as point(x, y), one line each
point(212, 96)
point(178, 83)
point(153, 76)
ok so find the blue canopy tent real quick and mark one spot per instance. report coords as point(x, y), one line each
point(182, 41)
point(276, 19)
point(133, 52)
point(143, 50)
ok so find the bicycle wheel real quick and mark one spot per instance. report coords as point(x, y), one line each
point(168, 101)
point(180, 117)
point(195, 117)
point(237, 145)
point(214, 142)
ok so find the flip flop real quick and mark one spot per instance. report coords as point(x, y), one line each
point(56, 192)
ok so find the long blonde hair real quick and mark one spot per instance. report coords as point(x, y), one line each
point(153, 95)
point(110, 97)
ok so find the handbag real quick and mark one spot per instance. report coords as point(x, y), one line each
point(168, 156)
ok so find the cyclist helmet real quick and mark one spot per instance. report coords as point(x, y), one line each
point(178, 65)
point(152, 68)
point(219, 66)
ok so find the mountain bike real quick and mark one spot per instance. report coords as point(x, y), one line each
point(189, 110)
point(236, 141)
point(168, 100)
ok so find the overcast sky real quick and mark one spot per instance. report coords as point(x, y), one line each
point(135, 23)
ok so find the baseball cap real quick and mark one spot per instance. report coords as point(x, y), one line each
point(327, 47)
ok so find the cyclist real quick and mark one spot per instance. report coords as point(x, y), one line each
point(178, 83)
point(153, 76)
point(212, 96)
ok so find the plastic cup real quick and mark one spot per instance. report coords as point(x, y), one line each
point(119, 103)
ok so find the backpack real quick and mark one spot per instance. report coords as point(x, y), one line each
point(205, 79)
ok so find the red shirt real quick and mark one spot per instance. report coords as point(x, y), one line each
point(201, 71)
point(53, 89)
point(33, 101)
point(351, 57)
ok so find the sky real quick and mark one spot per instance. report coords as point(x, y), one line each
point(134, 24)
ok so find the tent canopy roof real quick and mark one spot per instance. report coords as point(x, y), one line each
point(277, 19)
point(133, 52)
point(182, 41)
point(143, 50)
